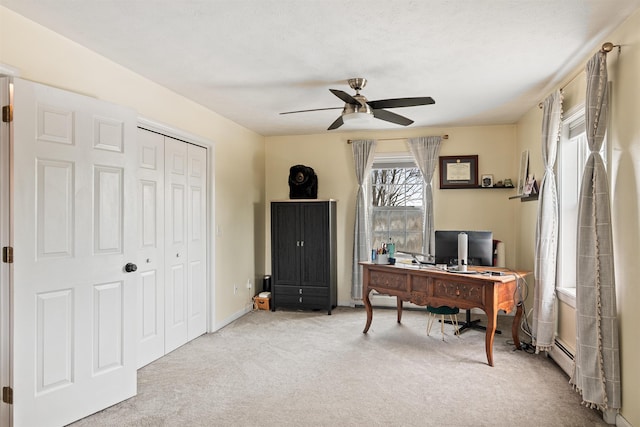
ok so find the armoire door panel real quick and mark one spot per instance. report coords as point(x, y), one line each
point(286, 261)
point(315, 236)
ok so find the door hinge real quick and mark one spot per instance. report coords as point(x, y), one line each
point(7, 395)
point(7, 254)
point(7, 113)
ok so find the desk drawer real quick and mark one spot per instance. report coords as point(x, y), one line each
point(393, 281)
point(471, 292)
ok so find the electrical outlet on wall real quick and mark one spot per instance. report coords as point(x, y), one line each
point(249, 286)
point(235, 289)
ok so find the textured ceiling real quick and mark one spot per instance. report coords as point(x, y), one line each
point(483, 61)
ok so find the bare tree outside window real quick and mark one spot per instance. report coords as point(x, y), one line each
point(397, 212)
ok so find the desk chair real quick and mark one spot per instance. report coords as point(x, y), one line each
point(434, 312)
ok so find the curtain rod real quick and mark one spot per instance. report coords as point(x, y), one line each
point(349, 141)
point(606, 48)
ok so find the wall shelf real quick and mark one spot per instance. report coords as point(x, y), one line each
point(479, 187)
point(525, 198)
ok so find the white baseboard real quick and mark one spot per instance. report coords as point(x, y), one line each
point(235, 316)
point(622, 422)
point(563, 356)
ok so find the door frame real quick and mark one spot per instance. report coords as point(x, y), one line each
point(5, 240)
point(153, 126)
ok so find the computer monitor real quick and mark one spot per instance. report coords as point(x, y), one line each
point(480, 247)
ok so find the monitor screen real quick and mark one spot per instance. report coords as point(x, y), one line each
point(480, 247)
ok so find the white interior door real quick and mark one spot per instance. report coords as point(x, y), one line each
point(176, 297)
point(172, 193)
point(74, 231)
point(197, 244)
point(151, 247)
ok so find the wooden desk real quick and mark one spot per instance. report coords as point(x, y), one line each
point(430, 286)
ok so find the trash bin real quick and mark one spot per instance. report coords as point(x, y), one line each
point(266, 283)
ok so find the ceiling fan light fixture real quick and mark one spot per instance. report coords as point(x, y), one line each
point(357, 114)
point(357, 117)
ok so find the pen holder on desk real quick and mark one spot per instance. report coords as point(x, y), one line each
point(382, 259)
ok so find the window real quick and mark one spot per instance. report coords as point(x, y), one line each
point(397, 202)
point(573, 152)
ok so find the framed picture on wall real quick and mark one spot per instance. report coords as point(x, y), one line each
point(524, 170)
point(458, 171)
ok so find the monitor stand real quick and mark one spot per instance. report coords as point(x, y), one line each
point(470, 324)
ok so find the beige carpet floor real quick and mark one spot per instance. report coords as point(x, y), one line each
point(289, 368)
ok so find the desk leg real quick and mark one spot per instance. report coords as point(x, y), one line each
point(399, 309)
point(515, 326)
point(491, 331)
point(367, 307)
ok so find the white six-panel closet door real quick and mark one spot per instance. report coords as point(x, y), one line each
point(172, 294)
point(150, 327)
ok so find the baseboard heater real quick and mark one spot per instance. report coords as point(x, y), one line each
point(562, 356)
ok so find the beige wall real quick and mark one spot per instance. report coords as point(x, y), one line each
point(624, 173)
point(46, 57)
point(331, 158)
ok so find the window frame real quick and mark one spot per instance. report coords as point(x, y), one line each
point(388, 160)
point(572, 156)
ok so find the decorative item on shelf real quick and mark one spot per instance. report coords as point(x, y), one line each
point(508, 183)
point(458, 171)
point(303, 182)
point(487, 181)
point(531, 186)
point(524, 171)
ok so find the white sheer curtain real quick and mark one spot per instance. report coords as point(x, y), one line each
point(363, 153)
point(425, 151)
point(544, 316)
point(596, 372)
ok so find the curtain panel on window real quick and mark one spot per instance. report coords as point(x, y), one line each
point(363, 154)
point(546, 252)
point(596, 373)
point(425, 150)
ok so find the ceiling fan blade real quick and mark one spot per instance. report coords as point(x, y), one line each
point(314, 109)
point(401, 102)
point(345, 97)
point(392, 117)
point(336, 124)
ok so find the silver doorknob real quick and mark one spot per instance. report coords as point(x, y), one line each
point(130, 267)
